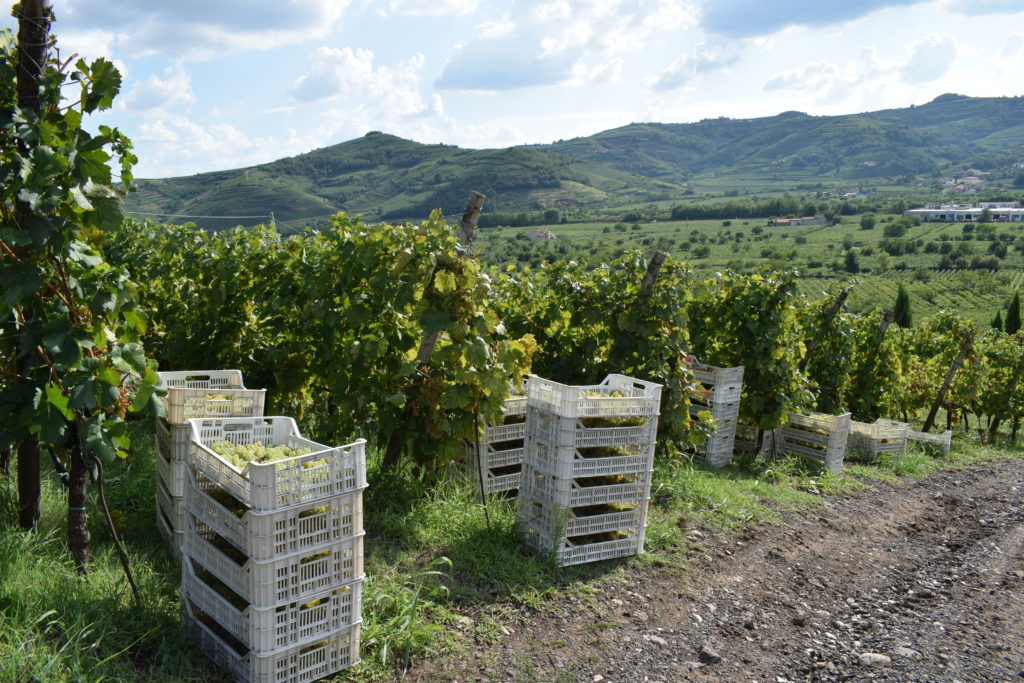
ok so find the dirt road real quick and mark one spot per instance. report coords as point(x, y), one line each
point(923, 581)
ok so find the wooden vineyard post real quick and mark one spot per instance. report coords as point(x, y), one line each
point(815, 341)
point(33, 38)
point(646, 286)
point(467, 227)
point(994, 427)
point(964, 348)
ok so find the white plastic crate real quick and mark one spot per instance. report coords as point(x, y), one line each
point(174, 440)
point(498, 483)
point(943, 441)
point(575, 493)
point(569, 462)
point(565, 552)
point(816, 437)
point(264, 583)
point(508, 432)
point(638, 397)
point(187, 393)
point(171, 473)
point(723, 385)
point(556, 521)
point(573, 432)
point(719, 411)
point(270, 486)
point(266, 535)
point(718, 449)
point(880, 437)
point(297, 664)
point(271, 629)
point(746, 438)
point(175, 539)
point(171, 506)
point(515, 405)
point(494, 459)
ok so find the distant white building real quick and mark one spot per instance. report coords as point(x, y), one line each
point(1002, 212)
point(805, 220)
point(538, 235)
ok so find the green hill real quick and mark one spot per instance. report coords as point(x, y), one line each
point(385, 177)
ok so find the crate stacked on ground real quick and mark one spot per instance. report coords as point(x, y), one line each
point(721, 397)
point(941, 442)
point(883, 436)
point(746, 439)
point(587, 467)
point(192, 393)
point(817, 437)
point(499, 456)
point(272, 561)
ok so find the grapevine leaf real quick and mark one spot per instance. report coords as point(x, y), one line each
point(135, 357)
point(105, 82)
point(58, 400)
point(142, 397)
point(18, 280)
point(110, 376)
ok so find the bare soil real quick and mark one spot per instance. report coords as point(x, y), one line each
point(919, 581)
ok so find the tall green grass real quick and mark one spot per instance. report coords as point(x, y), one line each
point(431, 553)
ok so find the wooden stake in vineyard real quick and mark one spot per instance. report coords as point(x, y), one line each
point(467, 228)
point(34, 18)
point(965, 347)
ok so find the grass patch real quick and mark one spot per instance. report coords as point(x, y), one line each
point(430, 554)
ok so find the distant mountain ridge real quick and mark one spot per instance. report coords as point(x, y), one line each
point(385, 177)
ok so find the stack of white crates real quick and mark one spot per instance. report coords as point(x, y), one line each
point(883, 436)
point(499, 459)
point(272, 562)
point(721, 398)
point(192, 393)
point(816, 436)
point(587, 466)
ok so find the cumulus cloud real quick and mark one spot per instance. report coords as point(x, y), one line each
point(833, 83)
point(813, 76)
point(504, 63)
point(563, 42)
point(972, 7)
point(1013, 48)
point(349, 75)
point(176, 145)
point(432, 7)
point(155, 92)
point(930, 58)
point(192, 29)
point(688, 67)
point(494, 29)
point(748, 18)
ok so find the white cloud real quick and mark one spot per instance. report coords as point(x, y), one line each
point(442, 8)
point(563, 42)
point(813, 76)
point(746, 18)
point(687, 68)
point(388, 92)
point(974, 7)
point(88, 44)
point(177, 145)
point(930, 58)
point(190, 29)
point(494, 29)
point(604, 72)
point(1013, 48)
point(551, 11)
point(160, 93)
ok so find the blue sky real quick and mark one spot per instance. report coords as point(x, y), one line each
point(232, 83)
